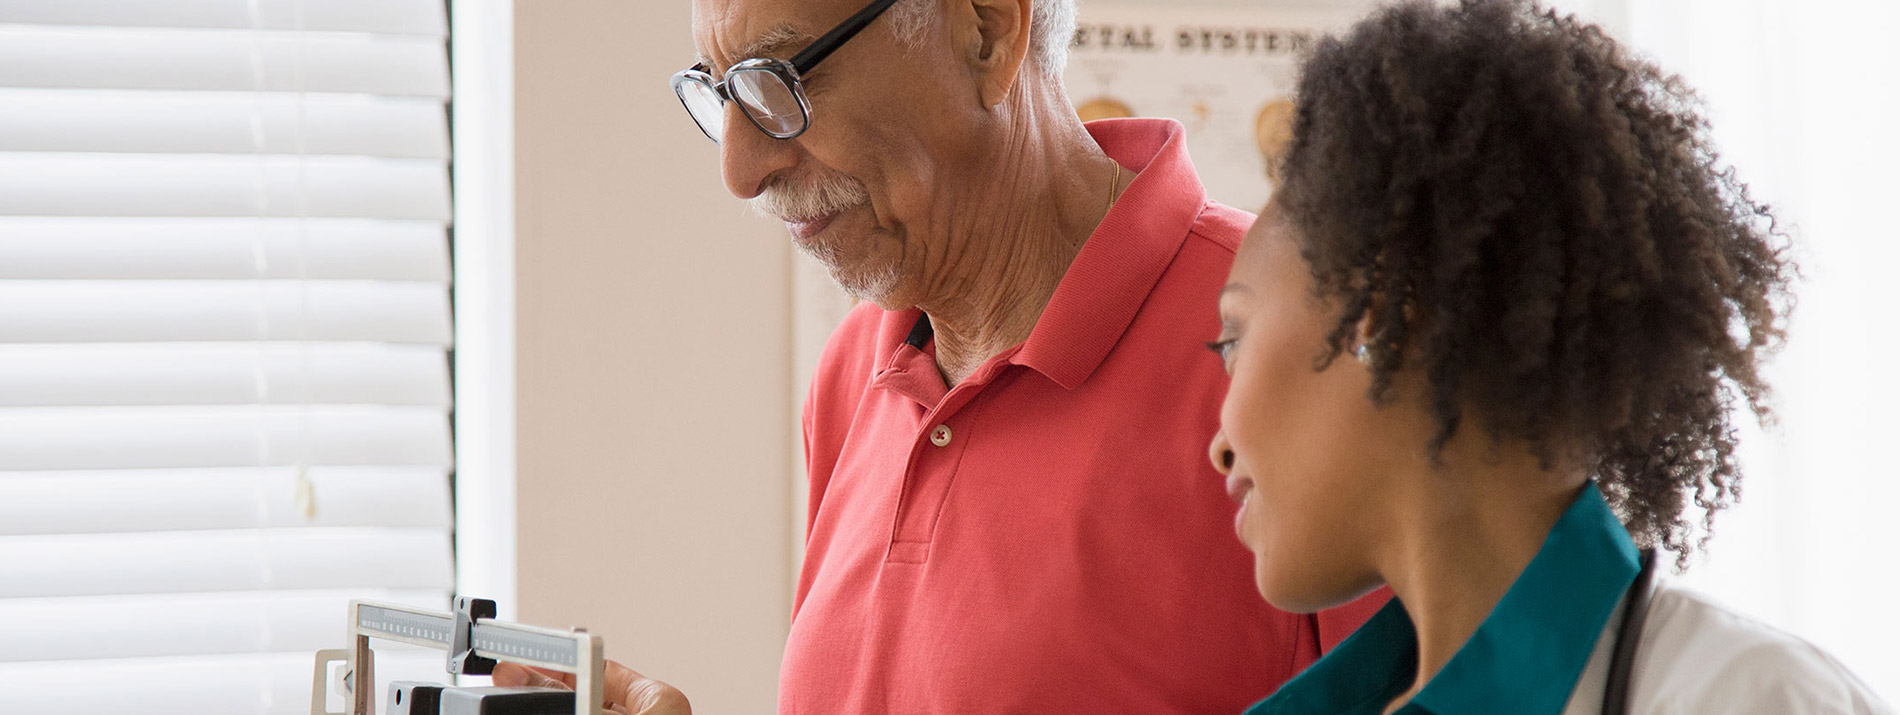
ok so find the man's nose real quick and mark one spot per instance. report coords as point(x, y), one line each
point(748, 157)
point(1221, 454)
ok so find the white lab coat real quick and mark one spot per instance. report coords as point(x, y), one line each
point(1697, 657)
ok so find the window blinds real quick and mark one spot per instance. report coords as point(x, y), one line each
point(224, 319)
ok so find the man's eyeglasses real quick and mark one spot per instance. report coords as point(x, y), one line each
point(770, 91)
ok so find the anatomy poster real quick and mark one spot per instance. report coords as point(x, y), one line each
point(1226, 74)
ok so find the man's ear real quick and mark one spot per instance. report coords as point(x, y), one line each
point(996, 40)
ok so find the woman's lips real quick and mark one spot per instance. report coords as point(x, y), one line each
point(1237, 488)
point(803, 231)
point(1240, 489)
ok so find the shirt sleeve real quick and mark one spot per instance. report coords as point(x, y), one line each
point(1700, 657)
point(1785, 679)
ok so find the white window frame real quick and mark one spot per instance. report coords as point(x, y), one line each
point(481, 36)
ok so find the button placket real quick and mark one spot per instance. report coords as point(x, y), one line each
point(936, 456)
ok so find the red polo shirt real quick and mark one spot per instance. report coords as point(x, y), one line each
point(1047, 536)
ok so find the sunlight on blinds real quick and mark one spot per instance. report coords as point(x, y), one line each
point(224, 330)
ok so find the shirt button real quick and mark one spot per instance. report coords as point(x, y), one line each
point(940, 436)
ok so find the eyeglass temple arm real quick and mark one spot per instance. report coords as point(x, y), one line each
point(821, 48)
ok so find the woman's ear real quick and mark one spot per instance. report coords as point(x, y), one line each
point(998, 38)
point(1362, 340)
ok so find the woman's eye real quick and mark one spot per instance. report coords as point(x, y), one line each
point(1224, 348)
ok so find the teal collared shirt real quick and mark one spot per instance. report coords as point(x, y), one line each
point(1524, 659)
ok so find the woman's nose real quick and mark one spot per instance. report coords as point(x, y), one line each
point(1221, 454)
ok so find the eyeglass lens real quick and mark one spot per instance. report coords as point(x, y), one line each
point(768, 100)
point(705, 106)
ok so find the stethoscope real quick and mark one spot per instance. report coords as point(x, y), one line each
point(1616, 691)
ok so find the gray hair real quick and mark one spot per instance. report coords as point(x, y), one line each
point(1051, 26)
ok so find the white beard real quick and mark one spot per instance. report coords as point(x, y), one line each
point(827, 195)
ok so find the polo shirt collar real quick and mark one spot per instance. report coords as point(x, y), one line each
point(1525, 657)
point(911, 370)
point(1123, 259)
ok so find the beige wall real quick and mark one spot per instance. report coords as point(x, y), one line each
point(654, 389)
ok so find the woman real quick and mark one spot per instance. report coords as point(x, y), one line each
point(1484, 345)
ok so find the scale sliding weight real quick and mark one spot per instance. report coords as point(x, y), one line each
point(474, 642)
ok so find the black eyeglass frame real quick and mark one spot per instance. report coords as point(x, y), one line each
point(789, 72)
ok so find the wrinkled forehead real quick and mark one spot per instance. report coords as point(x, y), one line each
point(727, 31)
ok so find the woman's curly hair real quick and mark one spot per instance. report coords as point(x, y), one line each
point(1541, 222)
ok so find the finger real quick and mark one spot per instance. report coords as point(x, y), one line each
point(509, 675)
point(544, 679)
point(558, 678)
point(512, 675)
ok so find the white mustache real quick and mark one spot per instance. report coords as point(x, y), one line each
point(822, 197)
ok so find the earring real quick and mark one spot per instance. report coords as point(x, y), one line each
point(1364, 353)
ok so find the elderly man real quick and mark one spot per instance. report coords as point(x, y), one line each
point(1010, 507)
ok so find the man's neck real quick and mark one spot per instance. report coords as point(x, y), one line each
point(1032, 205)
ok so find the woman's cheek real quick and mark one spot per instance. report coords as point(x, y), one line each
point(1252, 413)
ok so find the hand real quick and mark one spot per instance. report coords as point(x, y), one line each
point(628, 692)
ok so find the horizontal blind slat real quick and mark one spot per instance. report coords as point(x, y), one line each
point(171, 311)
point(222, 60)
point(103, 627)
point(116, 121)
point(44, 184)
point(413, 17)
point(39, 439)
point(242, 560)
point(119, 247)
point(250, 684)
point(127, 374)
point(152, 500)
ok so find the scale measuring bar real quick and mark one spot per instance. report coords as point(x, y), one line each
point(473, 640)
point(509, 642)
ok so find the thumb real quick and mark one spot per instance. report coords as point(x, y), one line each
point(642, 695)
